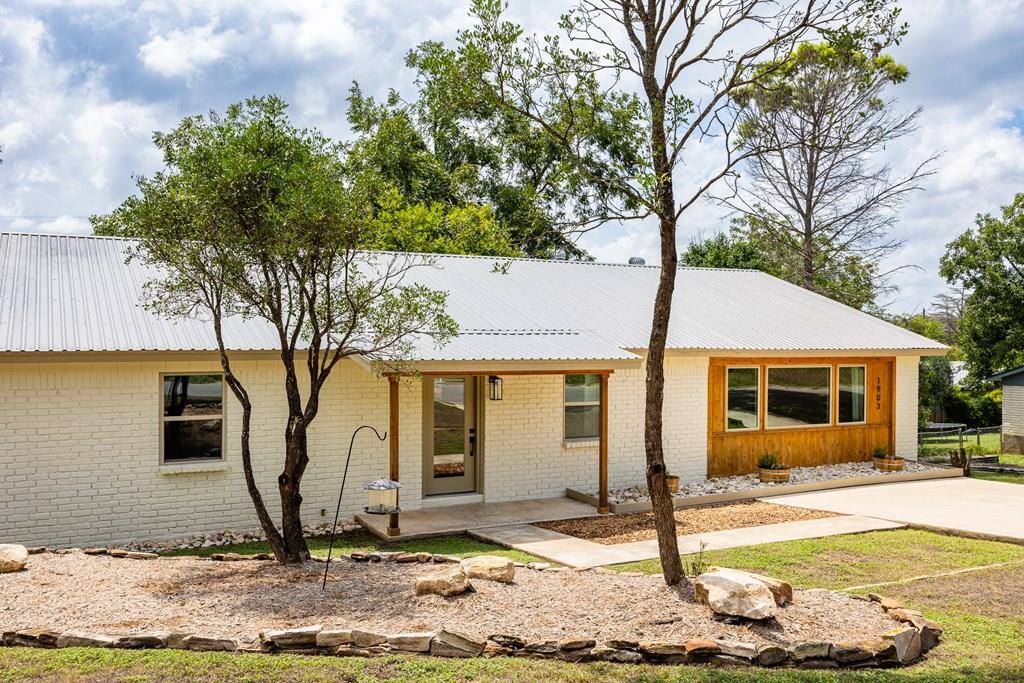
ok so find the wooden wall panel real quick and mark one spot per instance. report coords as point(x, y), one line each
point(737, 452)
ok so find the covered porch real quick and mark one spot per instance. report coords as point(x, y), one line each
point(493, 445)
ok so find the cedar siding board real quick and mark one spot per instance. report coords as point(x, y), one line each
point(736, 452)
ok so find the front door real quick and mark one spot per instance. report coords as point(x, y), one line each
point(450, 443)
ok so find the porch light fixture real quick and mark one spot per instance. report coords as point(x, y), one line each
point(494, 383)
point(382, 497)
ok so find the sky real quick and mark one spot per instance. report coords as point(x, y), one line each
point(85, 83)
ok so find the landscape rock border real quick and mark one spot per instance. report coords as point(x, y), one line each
point(904, 644)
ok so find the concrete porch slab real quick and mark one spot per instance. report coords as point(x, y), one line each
point(456, 519)
point(578, 552)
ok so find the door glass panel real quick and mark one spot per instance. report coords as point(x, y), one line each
point(449, 427)
point(852, 393)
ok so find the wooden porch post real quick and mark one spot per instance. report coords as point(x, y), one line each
point(393, 529)
point(602, 459)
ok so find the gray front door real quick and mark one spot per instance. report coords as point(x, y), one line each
point(450, 443)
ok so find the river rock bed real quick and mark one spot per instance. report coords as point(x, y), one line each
point(747, 482)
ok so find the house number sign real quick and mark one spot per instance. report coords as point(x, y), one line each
point(878, 392)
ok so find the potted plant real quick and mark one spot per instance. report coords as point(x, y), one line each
point(885, 462)
point(770, 470)
point(673, 482)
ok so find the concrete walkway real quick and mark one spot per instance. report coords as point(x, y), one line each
point(578, 552)
point(974, 507)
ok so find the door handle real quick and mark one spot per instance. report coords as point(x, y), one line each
point(472, 442)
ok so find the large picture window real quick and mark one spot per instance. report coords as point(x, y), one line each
point(741, 401)
point(798, 396)
point(852, 393)
point(192, 417)
point(582, 407)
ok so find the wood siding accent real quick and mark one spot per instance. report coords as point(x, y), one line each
point(737, 452)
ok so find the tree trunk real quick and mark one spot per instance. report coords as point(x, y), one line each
point(808, 253)
point(274, 538)
point(662, 504)
point(288, 483)
point(657, 485)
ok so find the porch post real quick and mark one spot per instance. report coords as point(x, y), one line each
point(393, 529)
point(602, 459)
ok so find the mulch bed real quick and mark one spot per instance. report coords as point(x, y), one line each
point(237, 599)
point(614, 529)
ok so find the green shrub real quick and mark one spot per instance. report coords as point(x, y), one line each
point(769, 461)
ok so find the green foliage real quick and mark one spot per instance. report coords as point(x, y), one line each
point(725, 251)
point(880, 452)
point(254, 218)
point(769, 461)
point(924, 325)
point(989, 261)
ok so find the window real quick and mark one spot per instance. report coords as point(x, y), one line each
point(799, 396)
point(192, 417)
point(741, 398)
point(582, 407)
point(852, 393)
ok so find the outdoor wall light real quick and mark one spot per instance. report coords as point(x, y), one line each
point(382, 497)
point(494, 382)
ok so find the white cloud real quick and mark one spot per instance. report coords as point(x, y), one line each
point(183, 52)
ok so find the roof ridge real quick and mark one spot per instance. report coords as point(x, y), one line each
point(524, 259)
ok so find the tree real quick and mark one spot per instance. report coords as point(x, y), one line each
point(812, 196)
point(988, 262)
point(468, 158)
point(252, 218)
point(724, 251)
point(948, 308)
point(643, 82)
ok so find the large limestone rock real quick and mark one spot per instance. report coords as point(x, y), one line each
point(735, 593)
point(12, 557)
point(451, 580)
point(490, 568)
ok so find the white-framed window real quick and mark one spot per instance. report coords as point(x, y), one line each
point(191, 418)
point(742, 397)
point(582, 394)
point(853, 394)
point(798, 396)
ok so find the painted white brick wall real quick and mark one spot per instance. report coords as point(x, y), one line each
point(79, 452)
point(526, 456)
point(906, 406)
point(79, 447)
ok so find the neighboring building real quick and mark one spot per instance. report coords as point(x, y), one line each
point(114, 423)
point(1013, 408)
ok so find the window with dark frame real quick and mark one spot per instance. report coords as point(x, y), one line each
point(582, 394)
point(192, 418)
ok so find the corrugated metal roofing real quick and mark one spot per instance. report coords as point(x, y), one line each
point(76, 293)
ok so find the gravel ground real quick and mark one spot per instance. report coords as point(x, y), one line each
point(614, 529)
point(746, 482)
point(234, 599)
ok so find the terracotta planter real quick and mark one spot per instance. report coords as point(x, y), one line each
point(773, 476)
point(673, 483)
point(888, 464)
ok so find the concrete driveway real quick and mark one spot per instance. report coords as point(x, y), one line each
point(986, 509)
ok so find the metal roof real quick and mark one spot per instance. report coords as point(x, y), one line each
point(76, 293)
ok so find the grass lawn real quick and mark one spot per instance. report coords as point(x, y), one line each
point(1005, 477)
point(458, 546)
point(1011, 459)
point(981, 612)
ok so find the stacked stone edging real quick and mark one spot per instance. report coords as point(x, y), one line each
point(900, 646)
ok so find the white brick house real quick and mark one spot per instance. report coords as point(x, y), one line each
point(114, 425)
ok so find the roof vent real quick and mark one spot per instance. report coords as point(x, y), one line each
point(637, 261)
